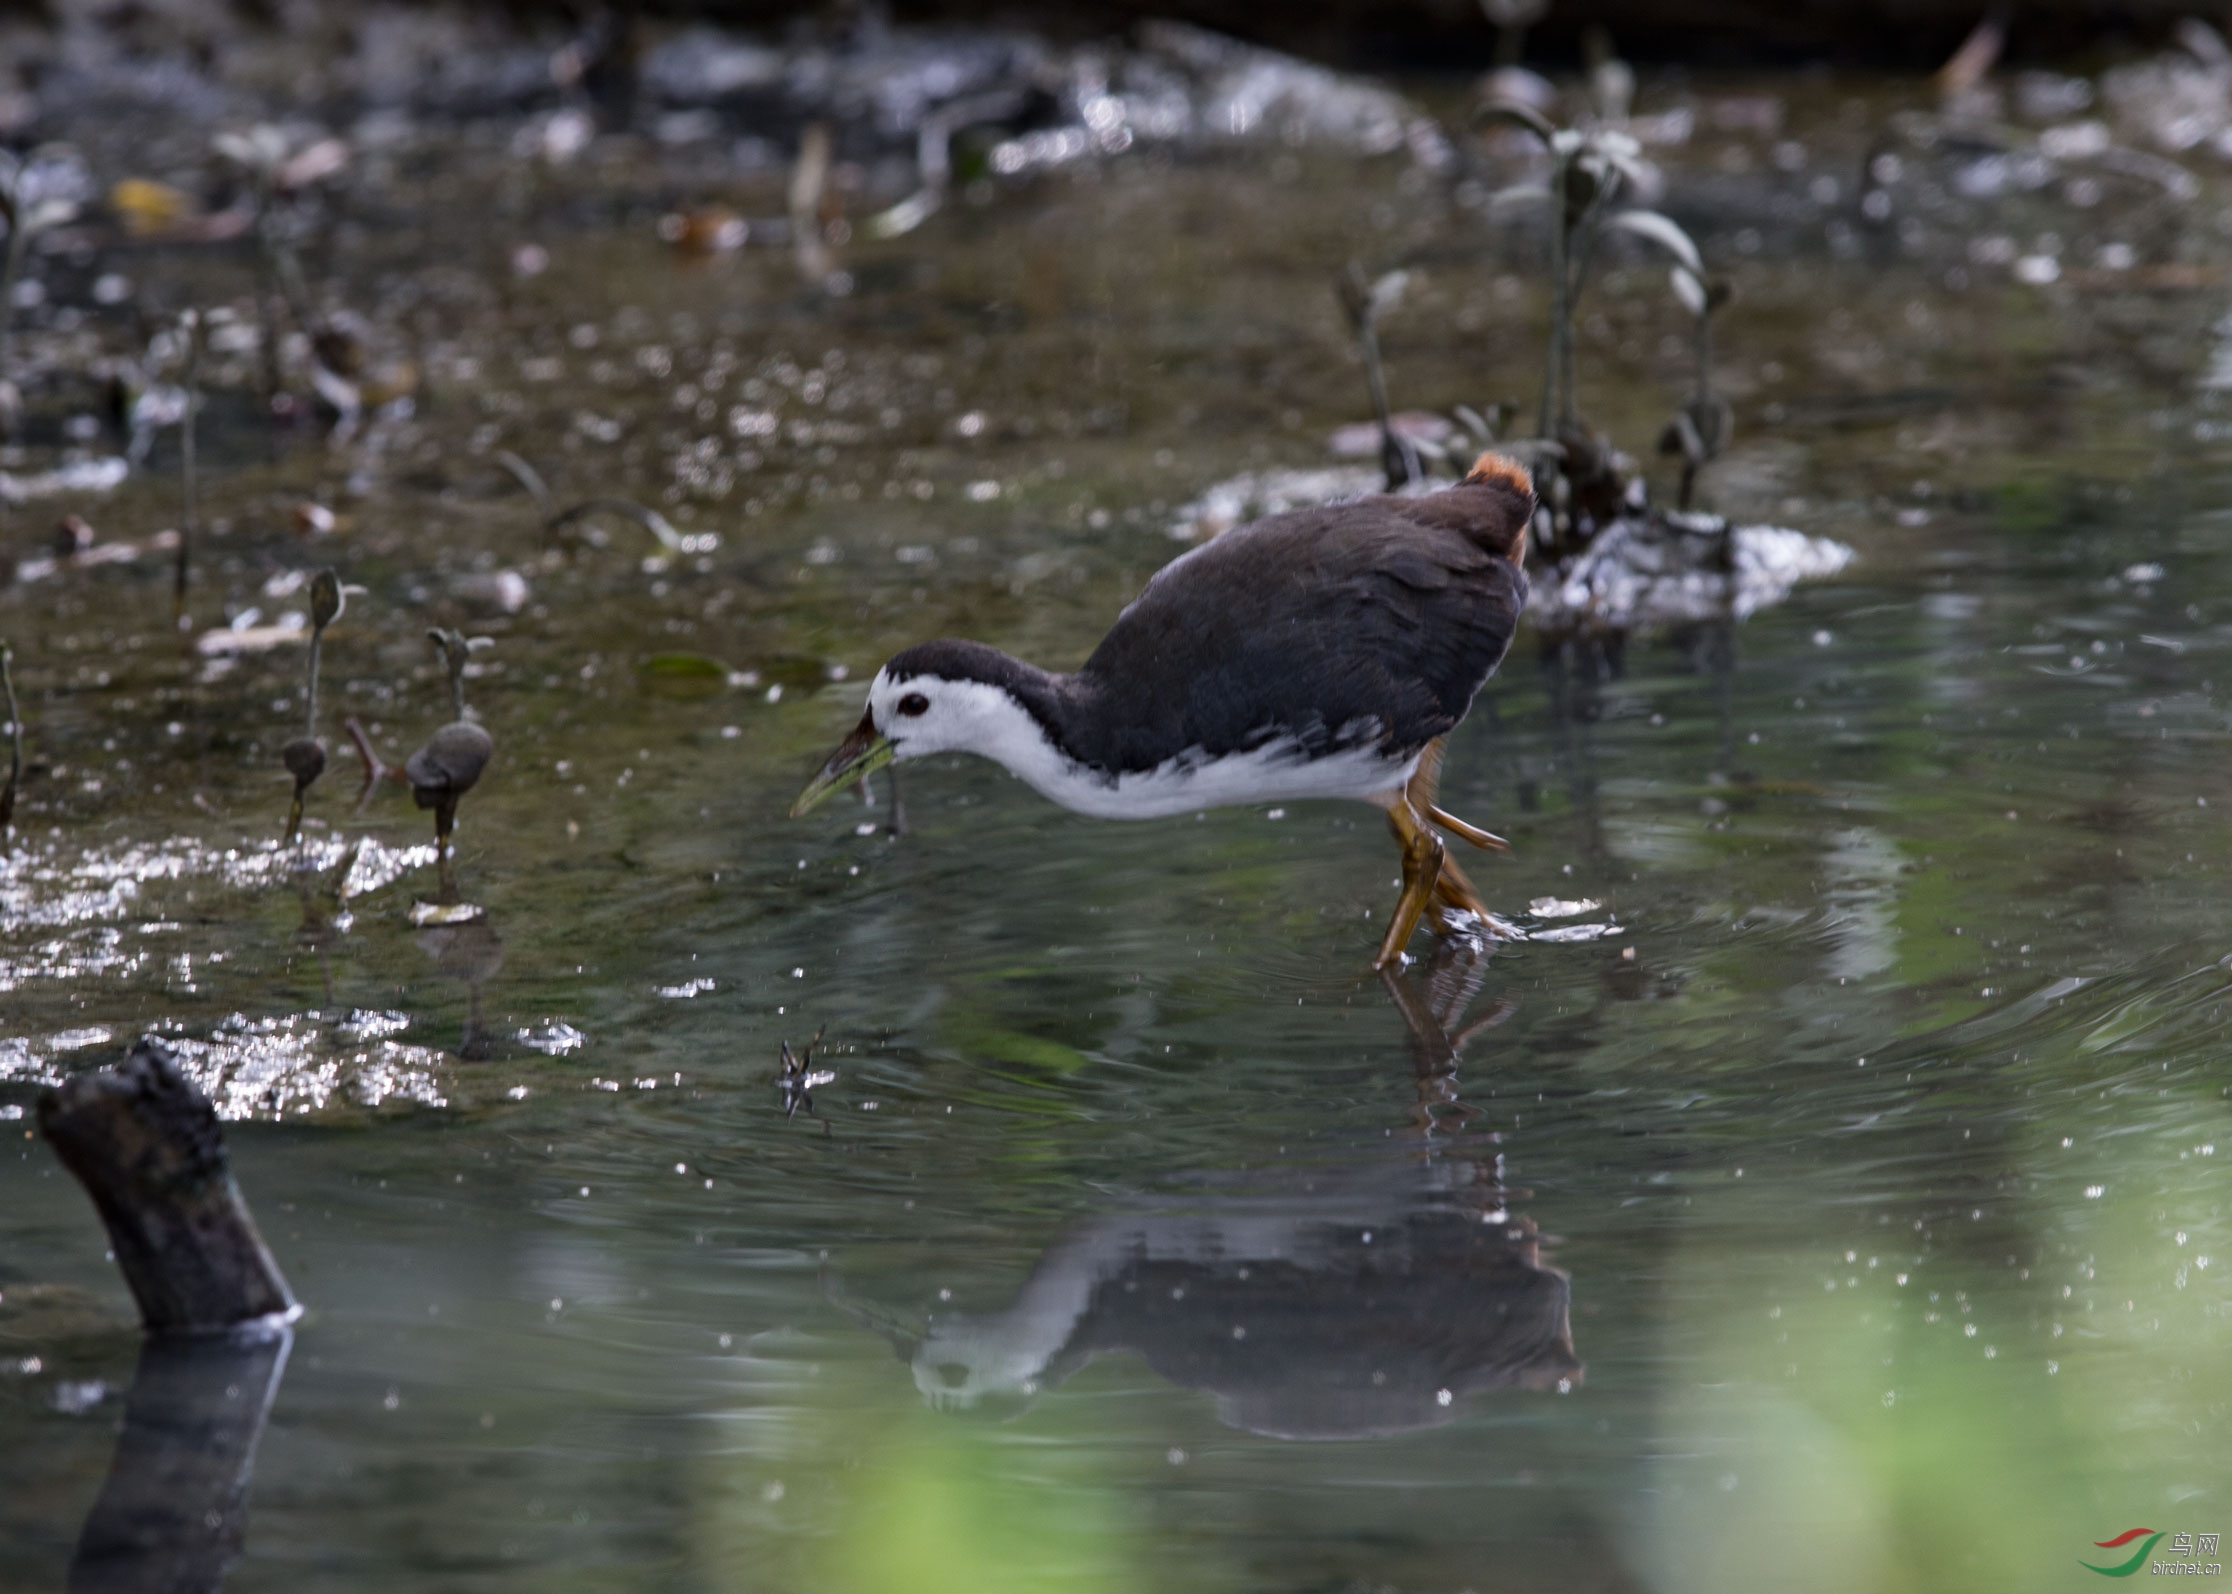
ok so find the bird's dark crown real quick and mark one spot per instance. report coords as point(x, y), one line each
point(955, 659)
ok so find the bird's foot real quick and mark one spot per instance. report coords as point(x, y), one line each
point(1423, 860)
point(1477, 926)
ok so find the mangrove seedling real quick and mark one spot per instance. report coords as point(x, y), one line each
point(189, 484)
point(1701, 428)
point(1365, 301)
point(1588, 170)
point(305, 756)
point(15, 743)
point(450, 764)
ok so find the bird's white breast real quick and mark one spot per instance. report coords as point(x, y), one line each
point(975, 718)
point(1277, 772)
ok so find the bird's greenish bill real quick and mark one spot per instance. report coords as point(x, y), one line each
point(866, 749)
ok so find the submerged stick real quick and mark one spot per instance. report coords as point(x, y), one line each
point(145, 1144)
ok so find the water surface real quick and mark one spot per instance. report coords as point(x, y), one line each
point(1831, 1197)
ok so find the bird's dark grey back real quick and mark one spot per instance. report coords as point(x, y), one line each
point(1374, 622)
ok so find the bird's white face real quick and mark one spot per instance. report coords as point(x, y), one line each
point(925, 714)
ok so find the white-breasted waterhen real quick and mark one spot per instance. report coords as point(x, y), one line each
point(1321, 653)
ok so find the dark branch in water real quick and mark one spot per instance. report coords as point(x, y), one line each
point(145, 1144)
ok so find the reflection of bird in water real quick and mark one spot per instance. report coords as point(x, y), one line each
point(450, 763)
point(472, 953)
point(1344, 1302)
point(320, 925)
point(1433, 1009)
point(1350, 1304)
point(1322, 653)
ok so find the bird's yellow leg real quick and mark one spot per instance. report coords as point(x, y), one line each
point(1425, 782)
point(1423, 855)
point(1425, 785)
point(1454, 902)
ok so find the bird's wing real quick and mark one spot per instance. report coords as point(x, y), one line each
point(1369, 621)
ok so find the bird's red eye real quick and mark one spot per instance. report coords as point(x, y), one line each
point(914, 703)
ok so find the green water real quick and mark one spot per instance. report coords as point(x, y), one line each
point(1138, 1241)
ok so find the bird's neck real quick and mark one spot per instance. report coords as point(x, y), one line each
point(1045, 697)
point(1019, 716)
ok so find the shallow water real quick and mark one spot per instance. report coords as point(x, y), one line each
point(1858, 1096)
